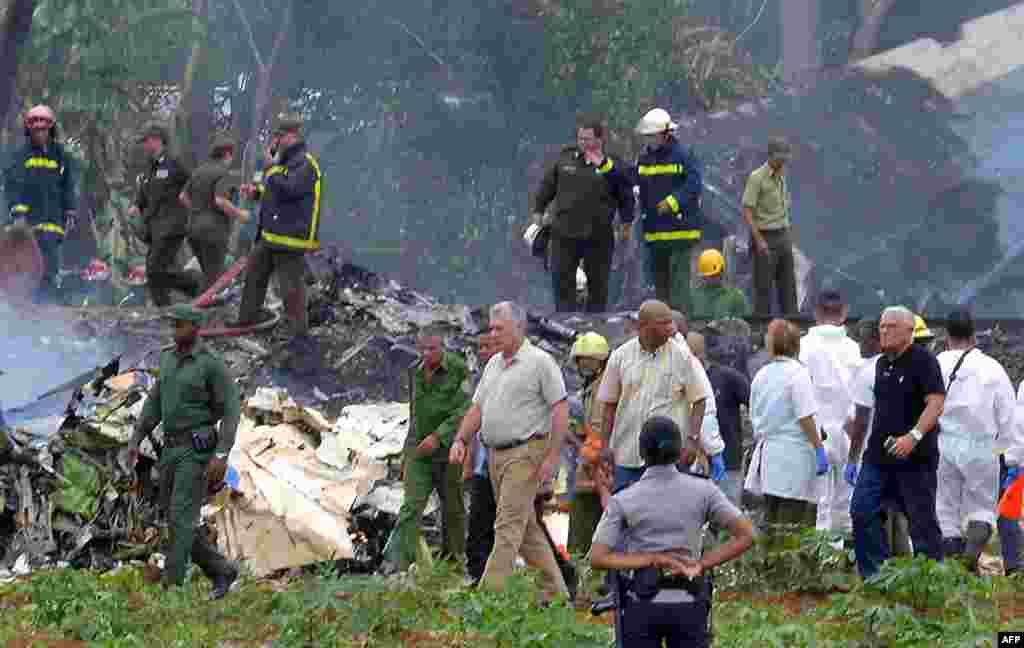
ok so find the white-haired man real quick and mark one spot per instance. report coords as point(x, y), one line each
point(902, 457)
point(521, 411)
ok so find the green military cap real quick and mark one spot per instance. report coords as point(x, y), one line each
point(288, 122)
point(221, 144)
point(779, 148)
point(185, 312)
point(156, 129)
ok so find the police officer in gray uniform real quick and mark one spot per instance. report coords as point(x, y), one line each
point(663, 588)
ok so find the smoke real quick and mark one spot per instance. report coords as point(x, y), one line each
point(38, 352)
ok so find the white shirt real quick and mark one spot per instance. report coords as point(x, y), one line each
point(784, 462)
point(710, 434)
point(979, 406)
point(644, 385)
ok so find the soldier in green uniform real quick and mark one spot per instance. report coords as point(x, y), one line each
point(441, 395)
point(40, 188)
point(208, 196)
point(164, 218)
point(193, 392)
point(713, 299)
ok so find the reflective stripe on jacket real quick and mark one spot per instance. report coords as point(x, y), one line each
point(40, 187)
point(670, 173)
point(290, 211)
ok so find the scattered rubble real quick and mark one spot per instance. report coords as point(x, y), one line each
point(314, 475)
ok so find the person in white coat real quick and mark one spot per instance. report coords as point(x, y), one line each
point(1011, 537)
point(978, 415)
point(832, 359)
point(788, 456)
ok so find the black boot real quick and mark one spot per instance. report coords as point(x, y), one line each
point(223, 583)
point(978, 534)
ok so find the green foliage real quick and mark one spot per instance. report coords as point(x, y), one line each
point(804, 561)
point(513, 619)
point(616, 56)
point(94, 51)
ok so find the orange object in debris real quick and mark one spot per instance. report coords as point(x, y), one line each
point(1011, 502)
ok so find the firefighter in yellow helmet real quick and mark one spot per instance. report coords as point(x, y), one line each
point(590, 354)
point(712, 299)
point(289, 225)
point(40, 189)
point(922, 334)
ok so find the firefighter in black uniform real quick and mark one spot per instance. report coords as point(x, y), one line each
point(40, 189)
point(164, 218)
point(289, 226)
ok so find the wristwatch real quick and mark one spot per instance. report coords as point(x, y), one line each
point(221, 455)
point(914, 432)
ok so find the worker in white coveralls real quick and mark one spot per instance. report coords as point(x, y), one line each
point(832, 359)
point(979, 412)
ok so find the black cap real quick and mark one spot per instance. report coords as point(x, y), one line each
point(830, 299)
point(960, 324)
point(661, 441)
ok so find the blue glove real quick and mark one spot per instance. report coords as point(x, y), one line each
point(851, 473)
point(819, 454)
point(717, 468)
point(1011, 475)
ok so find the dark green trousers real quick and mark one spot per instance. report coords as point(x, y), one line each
point(50, 249)
point(670, 264)
point(584, 514)
point(212, 251)
point(162, 274)
point(422, 477)
point(182, 491)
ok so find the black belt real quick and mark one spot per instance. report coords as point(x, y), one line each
point(182, 437)
point(514, 444)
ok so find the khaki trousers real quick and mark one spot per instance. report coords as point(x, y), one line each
point(516, 529)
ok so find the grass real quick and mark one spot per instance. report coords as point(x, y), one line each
point(914, 602)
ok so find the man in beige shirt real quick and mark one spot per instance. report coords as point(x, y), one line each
point(647, 376)
point(521, 411)
point(766, 208)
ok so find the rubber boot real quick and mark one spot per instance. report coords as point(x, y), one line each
point(978, 534)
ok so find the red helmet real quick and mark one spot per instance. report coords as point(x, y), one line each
point(40, 111)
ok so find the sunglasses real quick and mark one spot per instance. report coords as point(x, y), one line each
point(39, 120)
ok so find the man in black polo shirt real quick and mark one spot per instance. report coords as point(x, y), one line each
point(902, 457)
point(732, 389)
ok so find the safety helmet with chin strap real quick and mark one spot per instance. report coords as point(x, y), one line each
point(41, 111)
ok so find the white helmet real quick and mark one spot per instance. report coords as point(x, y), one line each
point(654, 122)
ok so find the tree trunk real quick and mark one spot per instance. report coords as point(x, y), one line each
point(199, 87)
point(800, 52)
point(872, 17)
point(17, 26)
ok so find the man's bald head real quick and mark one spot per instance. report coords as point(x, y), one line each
point(696, 343)
point(653, 310)
point(655, 323)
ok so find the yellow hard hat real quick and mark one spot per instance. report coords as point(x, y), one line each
point(921, 329)
point(590, 345)
point(710, 263)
